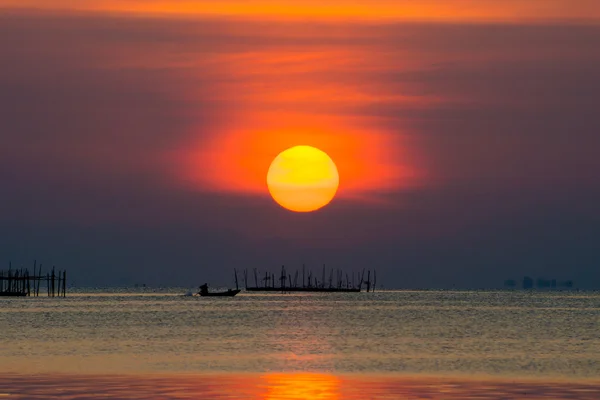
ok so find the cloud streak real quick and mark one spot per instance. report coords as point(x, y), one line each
point(426, 10)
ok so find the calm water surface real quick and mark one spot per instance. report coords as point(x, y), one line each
point(386, 345)
point(524, 334)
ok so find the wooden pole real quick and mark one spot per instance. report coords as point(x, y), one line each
point(9, 282)
point(296, 279)
point(34, 271)
point(53, 280)
point(28, 283)
point(65, 283)
point(266, 279)
point(303, 275)
point(362, 279)
point(17, 281)
point(374, 280)
point(331, 278)
point(39, 281)
point(34, 274)
point(35, 281)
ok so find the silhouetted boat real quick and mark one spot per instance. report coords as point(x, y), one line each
point(205, 293)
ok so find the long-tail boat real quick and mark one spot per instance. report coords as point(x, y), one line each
point(205, 293)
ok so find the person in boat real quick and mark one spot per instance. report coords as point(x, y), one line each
point(204, 289)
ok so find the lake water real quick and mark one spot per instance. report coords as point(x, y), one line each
point(550, 338)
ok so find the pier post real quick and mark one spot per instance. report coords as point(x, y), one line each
point(23, 282)
point(28, 283)
point(53, 280)
point(303, 275)
point(374, 280)
point(39, 281)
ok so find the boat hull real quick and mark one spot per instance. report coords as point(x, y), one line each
point(229, 293)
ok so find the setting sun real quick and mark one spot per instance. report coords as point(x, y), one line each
point(303, 179)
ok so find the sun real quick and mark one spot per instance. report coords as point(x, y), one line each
point(303, 179)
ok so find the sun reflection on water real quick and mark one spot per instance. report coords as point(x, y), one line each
point(285, 386)
point(301, 386)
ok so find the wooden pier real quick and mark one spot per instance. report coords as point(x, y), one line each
point(338, 282)
point(20, 282)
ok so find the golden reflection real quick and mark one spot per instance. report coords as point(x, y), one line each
point(285, 387)
point(301, 386)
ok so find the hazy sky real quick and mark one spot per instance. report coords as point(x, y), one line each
point(135, 140)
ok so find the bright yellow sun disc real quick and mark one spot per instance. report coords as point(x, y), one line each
point(303, 179)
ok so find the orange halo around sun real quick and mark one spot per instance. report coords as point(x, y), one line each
point(302, 179)
point(236, 158)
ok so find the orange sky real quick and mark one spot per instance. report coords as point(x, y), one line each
point(455, 10)
point(237, 159)
point(286, 98)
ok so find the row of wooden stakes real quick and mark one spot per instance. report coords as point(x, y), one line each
point(310, 283)
point(19, 282)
